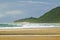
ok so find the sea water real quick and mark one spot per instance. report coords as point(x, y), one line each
point(28, 25)
point(9, 26)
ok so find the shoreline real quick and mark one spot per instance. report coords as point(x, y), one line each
point(26, 27)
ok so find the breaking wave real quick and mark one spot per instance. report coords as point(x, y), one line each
point(28, 25)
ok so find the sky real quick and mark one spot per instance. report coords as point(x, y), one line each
point(11, 10)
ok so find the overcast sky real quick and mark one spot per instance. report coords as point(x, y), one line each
point(11, 10)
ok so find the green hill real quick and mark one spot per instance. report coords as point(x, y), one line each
point(31, 19)
point(53, 16)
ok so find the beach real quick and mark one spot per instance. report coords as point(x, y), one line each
point(24, 37)
point(32, 31)
point(30, 34)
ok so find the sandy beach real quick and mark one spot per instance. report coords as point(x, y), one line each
point(30, 34)
point(40, 31)
point(24, 37)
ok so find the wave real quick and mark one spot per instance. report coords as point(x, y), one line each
point(28, 25)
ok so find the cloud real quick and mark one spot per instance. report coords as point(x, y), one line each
point(14, 12)
point(34, 2)
point(2, 6)
point(8, 5)
point(2, 15)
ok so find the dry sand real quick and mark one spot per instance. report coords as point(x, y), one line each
point(41, 31)
point(20, 37)
point(16, 34)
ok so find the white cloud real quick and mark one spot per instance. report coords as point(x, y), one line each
point(21, 3)
point(14, 12)
point(34, 2)
point(1, 15)
point(2, 6)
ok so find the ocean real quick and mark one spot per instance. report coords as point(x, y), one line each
point(28, 25)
